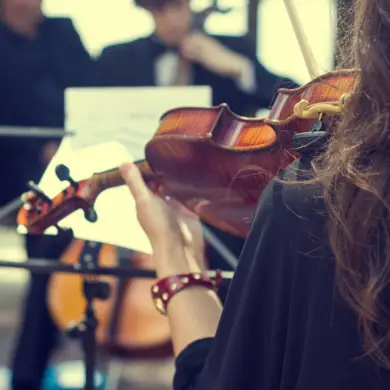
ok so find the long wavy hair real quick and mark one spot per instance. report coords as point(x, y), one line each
point(355, 173)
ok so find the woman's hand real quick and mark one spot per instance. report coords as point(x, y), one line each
point(174, 232)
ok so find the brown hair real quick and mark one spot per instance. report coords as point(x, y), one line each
point(355, 172)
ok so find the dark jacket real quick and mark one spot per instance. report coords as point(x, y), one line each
point(34, 74)
point(132, 64)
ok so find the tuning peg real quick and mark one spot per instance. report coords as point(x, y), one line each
point(27, 196)
point(90, 215)
point(63, 174)
point(38, 192)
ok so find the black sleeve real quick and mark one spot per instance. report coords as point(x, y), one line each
point(102, 75)
point(267, 83)
point(210, 364)
point(115, 67)
point(248, 347)
point(81, 62)
point(190, 362)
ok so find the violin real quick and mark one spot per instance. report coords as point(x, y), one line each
point(213, 161)
point(216, 163)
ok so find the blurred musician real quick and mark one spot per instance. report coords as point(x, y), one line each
point(40, 57)
point(178, 54)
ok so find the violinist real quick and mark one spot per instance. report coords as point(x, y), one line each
point(175, 54)
point(309, 305)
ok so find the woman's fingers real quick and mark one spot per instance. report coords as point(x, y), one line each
point(132, 177)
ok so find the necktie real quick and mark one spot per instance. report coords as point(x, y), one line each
point(158, 49)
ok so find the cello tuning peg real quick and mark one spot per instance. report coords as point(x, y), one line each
point(90, 215)
point(63, 174)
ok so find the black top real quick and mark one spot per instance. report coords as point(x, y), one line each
point(284, 325)
point(34, 74)
point(133, 64)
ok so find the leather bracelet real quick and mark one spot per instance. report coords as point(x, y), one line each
point(166, 288)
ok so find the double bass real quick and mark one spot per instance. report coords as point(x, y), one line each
point(213, 161)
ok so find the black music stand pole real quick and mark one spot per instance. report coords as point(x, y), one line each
point(86, 330)
point(89, 339)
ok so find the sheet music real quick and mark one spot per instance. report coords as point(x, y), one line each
point(112, 126)
point(136, 115)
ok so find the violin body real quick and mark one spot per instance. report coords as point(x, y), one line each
point(217, 163)
point(140, 327)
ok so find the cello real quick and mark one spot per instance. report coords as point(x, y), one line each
point(139, 329)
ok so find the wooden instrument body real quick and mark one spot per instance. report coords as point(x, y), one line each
point(214, 162)
point(140, 326)
point(217, 163)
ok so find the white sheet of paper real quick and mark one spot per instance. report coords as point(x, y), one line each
point(127, 115)
point(113, 125)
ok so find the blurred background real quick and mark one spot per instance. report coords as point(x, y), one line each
point(276, 47)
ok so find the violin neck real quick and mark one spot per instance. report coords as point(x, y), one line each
point(107, 179)
point(112, 178)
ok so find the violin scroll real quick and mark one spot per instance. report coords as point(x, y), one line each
point(39, 212)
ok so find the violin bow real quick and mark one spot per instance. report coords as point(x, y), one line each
point(307, 53)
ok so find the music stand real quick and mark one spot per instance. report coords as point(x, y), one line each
point(86, 329)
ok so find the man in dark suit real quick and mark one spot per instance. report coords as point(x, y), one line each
point(178, 53)
point(224, 63)
point(39, 58)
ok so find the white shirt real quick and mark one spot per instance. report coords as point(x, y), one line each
point(167, 67)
